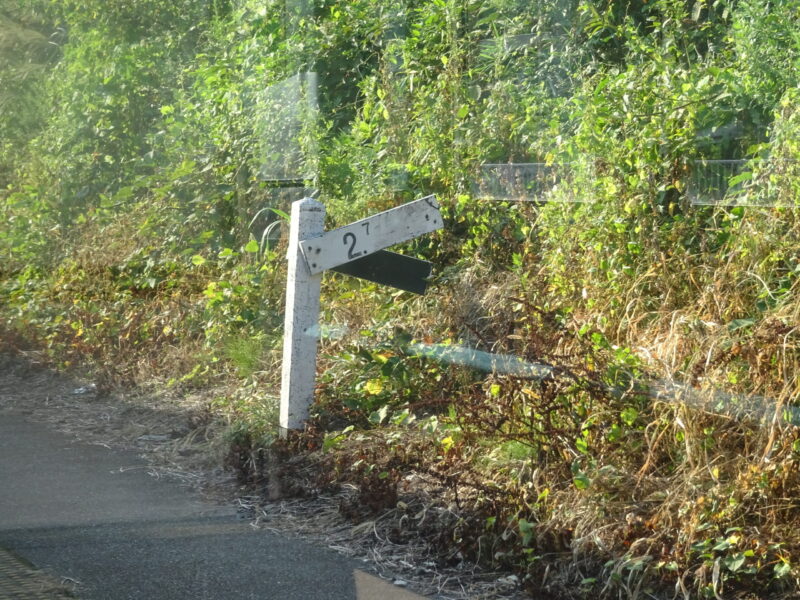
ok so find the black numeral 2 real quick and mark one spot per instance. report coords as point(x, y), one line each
point(351, 253)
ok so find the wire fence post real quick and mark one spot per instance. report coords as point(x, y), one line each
point(301, 322)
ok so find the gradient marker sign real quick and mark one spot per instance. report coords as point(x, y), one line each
point(362, 238)
point(356, 249)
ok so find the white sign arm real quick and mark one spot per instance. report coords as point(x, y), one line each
point(354, 241)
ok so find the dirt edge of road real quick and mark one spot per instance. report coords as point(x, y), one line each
point(180, 438)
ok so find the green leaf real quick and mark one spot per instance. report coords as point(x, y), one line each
point(581, 481)
point(615, 434)
point(252, 246)
point(782, 569)
point(381, 358)
point(721, 546)
point(379, 416)
point(629, 416)
point(735, 563)
point(405, 417)
point(333, 439)
point(737, 324)
point(198, 260)
point(374, 386)
point(741, 177)
point(447, 443)
point(600, 87)
point(526, 530)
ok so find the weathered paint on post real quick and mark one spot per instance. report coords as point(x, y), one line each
point(301, 324)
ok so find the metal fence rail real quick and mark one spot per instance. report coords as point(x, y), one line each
point(756, 182)
point(528, 182)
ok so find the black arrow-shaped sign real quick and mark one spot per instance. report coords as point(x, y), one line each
point(389, 268)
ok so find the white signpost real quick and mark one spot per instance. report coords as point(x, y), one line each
point(311, 252)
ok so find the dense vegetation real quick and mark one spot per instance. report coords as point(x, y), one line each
point(140, 148)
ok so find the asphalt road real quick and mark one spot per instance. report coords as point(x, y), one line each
point(96, 519)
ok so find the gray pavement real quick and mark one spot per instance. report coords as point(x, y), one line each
point(95, 517)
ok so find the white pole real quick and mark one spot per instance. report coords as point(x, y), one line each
point(301, 323)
